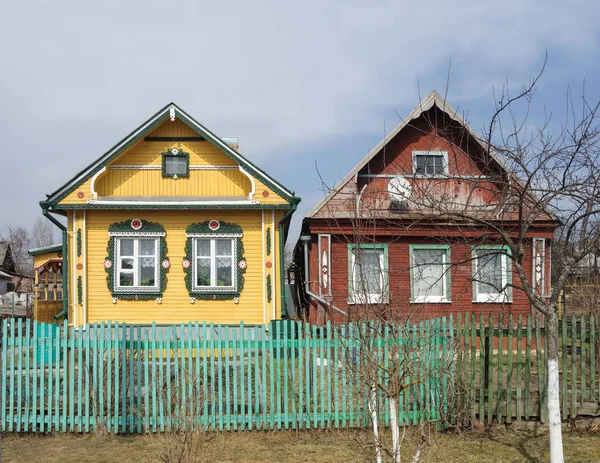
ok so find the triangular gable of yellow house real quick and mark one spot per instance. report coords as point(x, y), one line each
point(133, 172)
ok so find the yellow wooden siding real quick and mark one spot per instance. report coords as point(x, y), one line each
point(176, 306)
point(73, 197)
point(74, 223)
point(141, 182)
point(148, 153)
point(39, 259)
point(199, 183)
point(174, 128)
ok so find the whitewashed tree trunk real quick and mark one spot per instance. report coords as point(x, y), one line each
point(395, 430)
point(375, 421)
point(556, 443)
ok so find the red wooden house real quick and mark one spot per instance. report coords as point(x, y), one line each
point(413, 229)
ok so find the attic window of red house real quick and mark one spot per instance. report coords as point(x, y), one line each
point(430, 163)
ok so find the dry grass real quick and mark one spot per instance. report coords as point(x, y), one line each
point(312, 446)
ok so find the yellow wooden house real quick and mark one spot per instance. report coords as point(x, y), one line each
point(48, 284)
point(170, 225)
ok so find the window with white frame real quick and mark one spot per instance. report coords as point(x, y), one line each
point(430, 273)
point(367, 274)
point(215, 265)
point(137, 263)
point(214, 262)
point(491, 274)
point(430, 163)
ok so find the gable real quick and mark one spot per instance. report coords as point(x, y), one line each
point(7, 262)
point(465, 159)
point(132, 169)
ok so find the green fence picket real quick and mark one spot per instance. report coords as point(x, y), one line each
point(299, 376)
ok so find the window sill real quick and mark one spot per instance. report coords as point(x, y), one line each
point(493, 301)
point(437, 301)
point(137, 289)
point(369, 302)
point(214, 289)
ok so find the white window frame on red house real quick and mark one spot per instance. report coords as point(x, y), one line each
point(436, 154)
point(446, 296)
point(504, 294)
point(356, 296)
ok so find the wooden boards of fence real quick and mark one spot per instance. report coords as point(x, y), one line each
point(131, 379)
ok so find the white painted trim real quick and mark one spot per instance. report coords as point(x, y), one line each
point(320, 261)
point(442, 154)
point(173, 203)
point(93, 182)
point(84, 259)
point(213, 167)
point(135, 167)
point(251, 194)
point(232, 151)
point(172, 110)
point(275, 242)
point(147, 167)
point(264, 278)
point(74, 268)
point(79, 178)
point(540, 291)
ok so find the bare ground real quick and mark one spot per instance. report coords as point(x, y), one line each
point(307, 446)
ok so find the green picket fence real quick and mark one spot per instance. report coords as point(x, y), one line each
point(502, 368)
point(133, 379)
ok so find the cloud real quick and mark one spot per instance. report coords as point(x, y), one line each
point(77, 76)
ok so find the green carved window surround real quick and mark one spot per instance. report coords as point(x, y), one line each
point(137, 262)
point(214, 262)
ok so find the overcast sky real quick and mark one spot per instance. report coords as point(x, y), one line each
point(298, 82)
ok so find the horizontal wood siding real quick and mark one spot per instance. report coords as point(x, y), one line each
point(199, 183)
point(151, 183)
point(176, 306)
point(399, 283)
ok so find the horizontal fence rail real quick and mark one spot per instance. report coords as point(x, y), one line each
point(502, 368)
point(132, 379)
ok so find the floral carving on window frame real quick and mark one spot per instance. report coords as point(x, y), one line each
point(217, 264)
point(137, 262)
point(175, 163)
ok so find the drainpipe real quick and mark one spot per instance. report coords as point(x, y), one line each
point(65, 264)
point(305, 239)
point(286, 217)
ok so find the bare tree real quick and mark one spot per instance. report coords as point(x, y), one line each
point(538, 176)
point(42, 233)
point(539, 172)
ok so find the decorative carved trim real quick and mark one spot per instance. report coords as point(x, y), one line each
point(79, 242)
point(252, 183)
point(269, 289)
point(93, 182)
point(175, 152)
point(147, 229)
point(156, 206)
point(135, 167)
point(191, 167)
point(269, 241)
point(80, 291)
point(224, 230)
point(213, 168)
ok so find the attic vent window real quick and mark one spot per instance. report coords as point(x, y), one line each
point(430, 163)
point(175, 163)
